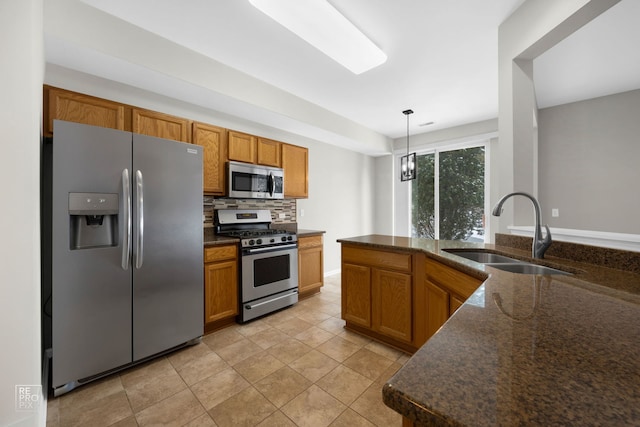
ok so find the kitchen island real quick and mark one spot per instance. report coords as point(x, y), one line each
point(523, 349)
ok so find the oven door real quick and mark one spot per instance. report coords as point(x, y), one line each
point(266, 271)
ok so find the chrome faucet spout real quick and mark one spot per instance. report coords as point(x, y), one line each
point(540, 244)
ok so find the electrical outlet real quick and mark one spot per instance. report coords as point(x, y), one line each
point(555, 212)
point(282, 215)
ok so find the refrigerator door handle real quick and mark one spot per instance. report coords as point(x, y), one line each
point(126, 212)
point(140, 227)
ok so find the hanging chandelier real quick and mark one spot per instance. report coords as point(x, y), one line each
point(408, 162)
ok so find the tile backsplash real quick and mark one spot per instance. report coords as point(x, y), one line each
point(277, 208)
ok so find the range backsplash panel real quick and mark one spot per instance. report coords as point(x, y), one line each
point(283, 211)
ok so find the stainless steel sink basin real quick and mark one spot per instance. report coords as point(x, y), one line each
point(526, 268)
point(504, 263)
point(482, 256)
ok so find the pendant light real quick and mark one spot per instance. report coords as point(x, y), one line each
point(408, 162)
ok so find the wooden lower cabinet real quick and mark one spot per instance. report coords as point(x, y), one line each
point(446, 289)
point(378, 294)
point(220, 286)
point(310, 265)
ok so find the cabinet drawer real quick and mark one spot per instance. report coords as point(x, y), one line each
point(384, 259)
point(219, 253)
point(450, 278)
point(309, 242)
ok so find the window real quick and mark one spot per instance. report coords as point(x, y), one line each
point(447, 199)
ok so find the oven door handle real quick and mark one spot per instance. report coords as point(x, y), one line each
point(268, 249)
point(250, 306)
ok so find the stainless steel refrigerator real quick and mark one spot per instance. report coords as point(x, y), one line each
point(126, 250)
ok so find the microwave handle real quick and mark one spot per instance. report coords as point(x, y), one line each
point(272, 184)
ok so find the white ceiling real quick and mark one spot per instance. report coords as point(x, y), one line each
point(442, 58)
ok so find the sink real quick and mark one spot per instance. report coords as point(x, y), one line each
point(527, 268)
point(481, 256)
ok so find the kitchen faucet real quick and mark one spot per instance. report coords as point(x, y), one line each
point(540, 245)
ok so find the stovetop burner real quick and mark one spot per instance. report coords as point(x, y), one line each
point(252, 228)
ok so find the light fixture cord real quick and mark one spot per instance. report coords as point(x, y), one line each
point(407, 134)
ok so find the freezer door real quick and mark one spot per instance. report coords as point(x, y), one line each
point(168, 293)
point(91, 292)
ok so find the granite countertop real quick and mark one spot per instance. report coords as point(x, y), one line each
point(525, 349)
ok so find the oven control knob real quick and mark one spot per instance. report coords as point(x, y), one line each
point(272, 241)
point(289, 238)
point(251, 242)
point(283, 238)
point(259, 241)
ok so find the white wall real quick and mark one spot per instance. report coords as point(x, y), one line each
point(341, 182)
point(533, 28)
point(20, 109)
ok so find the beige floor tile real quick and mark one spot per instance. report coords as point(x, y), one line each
point(238, 351)
point(202, 367)
point(221, 339)
point(282, 386)
point(217, 388)
point(175, 410)
point(344, 384)
point(203, 420)
point(253, 327)
point(384, 350)
point(313, 365)
point(246, 408)
point(53, 412)
point(100, 412)
point(368, 363)
point(91, 392)
point(151, 383)
point(258, 366)
point(313, 407)
point(289, 350)
point(268, 337)
point(314, 336)
point(181, 357)
point(313, 316)
point(293, 326)
point(371, 406)
point(387, 374)
point(338, 348)
point(277, 419)
point(331, 308)
point(127, 422)
point(334, 325)
point(354, 337)
point(350, 418)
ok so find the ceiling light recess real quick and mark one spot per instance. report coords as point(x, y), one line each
point(318, 23)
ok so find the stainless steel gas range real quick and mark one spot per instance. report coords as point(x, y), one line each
point(269, 260)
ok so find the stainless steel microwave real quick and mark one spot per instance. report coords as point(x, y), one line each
point(248, 181)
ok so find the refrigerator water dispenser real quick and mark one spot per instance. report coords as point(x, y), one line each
point(94, 220)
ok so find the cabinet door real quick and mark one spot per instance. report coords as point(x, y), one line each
point(242, 147)
point(78, 108)
point(454, 304)
point(392, 304)
point(161, 125)
point(437, 307)
point(295, 162)
point(310, 270)
point(214, 142)
point(356, 294)
point(221, 290)
point(269, 152)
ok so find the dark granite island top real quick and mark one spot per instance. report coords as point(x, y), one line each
point(525, 349)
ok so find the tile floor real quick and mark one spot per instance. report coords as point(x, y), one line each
point(297, 367)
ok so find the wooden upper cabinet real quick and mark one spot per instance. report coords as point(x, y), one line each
point(295, 162)
point(161, 125)
point(269, 152)
point(213, 140)
point(74, 107)
point(242, 147)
